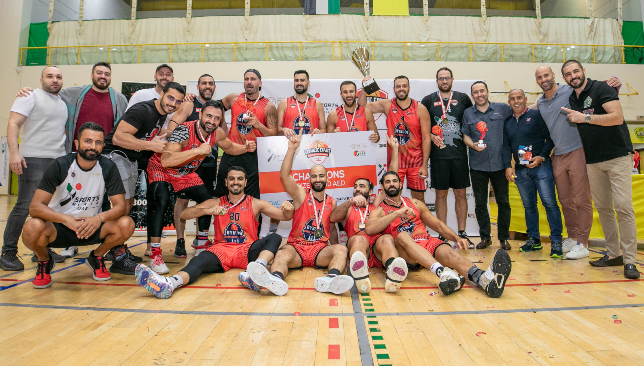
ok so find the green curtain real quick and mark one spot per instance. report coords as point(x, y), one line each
point(633, 35)
point(38, 35)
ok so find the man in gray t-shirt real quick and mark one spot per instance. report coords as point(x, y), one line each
point(568, 162)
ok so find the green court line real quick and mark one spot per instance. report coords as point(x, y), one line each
point(380, 346)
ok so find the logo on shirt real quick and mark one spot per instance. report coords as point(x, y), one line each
point(241, 126)
point(306, 128)
point(451, 130)
point(402, 133)
point(71, 193)
point(588, 102)
point(317, 152)
point(407, 226)
point(308, 231)
point(234, 233)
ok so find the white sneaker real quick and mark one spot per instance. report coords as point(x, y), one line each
point(450, 281)
point(69, 252)
point(263, 278)
point(578, 252)
point(568, 244)
point(360, 272)
point(338, 284)
point(156, 262)
point(396, 273)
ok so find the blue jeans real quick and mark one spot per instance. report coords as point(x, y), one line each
point(539, 179)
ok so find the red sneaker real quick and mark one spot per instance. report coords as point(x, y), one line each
point(97, 264)
point(43, 274)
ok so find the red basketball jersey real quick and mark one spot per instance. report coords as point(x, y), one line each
point(405, 126)
point(413, 225)
point(238, 225)
point(188, 166)
point(304, 224)
point(239, 132)
point(345, 119)
point(309, 112)
point(354, 219)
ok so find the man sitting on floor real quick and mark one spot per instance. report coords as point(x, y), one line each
point(66, 208)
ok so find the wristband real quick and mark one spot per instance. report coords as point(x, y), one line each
point(177, 123)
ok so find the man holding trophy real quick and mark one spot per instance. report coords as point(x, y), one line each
point(407, 120)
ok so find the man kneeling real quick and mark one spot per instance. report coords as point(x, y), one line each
point(406, 219)
point(236, 243)
point(66, 208)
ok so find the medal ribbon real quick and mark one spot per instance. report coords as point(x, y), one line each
point(301, 112)
point(366, 214)
point(318, 220)
point(254, 104)
point(201, 135)
point(449, 103)
point(346, 120)
point(235, 205)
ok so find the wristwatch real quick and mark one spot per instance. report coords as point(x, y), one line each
point(587, 118)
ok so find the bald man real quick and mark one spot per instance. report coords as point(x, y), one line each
point(42, 116)
point(308, 242)
point(526, 139)
point(568, 162)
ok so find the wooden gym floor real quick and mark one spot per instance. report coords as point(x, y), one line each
point(552, 313)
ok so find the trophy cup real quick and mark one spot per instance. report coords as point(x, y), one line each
point(482, 128)
point(360, 58)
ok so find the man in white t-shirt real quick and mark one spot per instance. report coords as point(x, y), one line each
point(42, 115)
point(163, 75)
point(66, 208)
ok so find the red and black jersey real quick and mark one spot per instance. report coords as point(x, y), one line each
point(238, 225)
point(413, 225)
point(354, 219)
point(304, 225)
point(405, 126)
point(239, 132)
point(307, 110)
point(186, 131)
point(345, 119)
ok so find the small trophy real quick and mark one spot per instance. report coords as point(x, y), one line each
point(482, 128)
point(360, 58)
point(438, 131)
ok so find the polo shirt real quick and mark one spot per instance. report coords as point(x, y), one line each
point(563, 132)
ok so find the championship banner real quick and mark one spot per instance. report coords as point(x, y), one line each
point(346, 156)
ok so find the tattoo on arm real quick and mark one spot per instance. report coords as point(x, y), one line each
point(271, 117)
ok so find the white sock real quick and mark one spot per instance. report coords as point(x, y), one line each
point(155, 245)
point(272, 227)
point(262, 262)
point(175, 281)
point(437, 268)
point(202, 237)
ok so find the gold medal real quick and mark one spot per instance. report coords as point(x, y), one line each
point(301, 123)
point(223, 211)
point(445, 121)
point(361, 226)
point(318, 233)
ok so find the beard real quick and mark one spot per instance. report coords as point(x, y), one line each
point(445, 88)
point(204, 127)
point(89, 155)
point(99, 86)
point(236, 190)
point(53, 89)
point(548, 85)
point(403, 98)
point(300, 91)
point(365, 195)
point(203, 97)
point(580, 79)
point(392, 191)
point(313, 187)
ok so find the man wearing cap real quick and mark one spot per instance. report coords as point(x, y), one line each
point(252, 116)
point(163, 75)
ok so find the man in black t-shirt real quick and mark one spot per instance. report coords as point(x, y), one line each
point(66, 208)
point(596, 109)
point(448, 157)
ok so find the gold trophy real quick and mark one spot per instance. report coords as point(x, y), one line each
point(360, 58)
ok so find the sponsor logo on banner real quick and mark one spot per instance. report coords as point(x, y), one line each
point(317, 152)
point(359, 153)
point(234, 233)
point(274, 156)
point(358, 146)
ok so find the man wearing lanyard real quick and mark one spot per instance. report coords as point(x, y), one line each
point(302, 111)
point(308, 242)
point(526, 139)
point(377, 248)
point(448, 162)
point(595, 108)
point(350, 116)
point(568, 162)
point(188, 145)
point(483, 134)
point(237, 244)
point(207, 171)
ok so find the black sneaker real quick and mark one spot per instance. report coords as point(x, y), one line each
point(124, 265)
point(109, 256)
point(493, 280)
point(180, 248)
point(631, 272)
point(463, 234)
point(605, 262)
point(10, 261)
point(133, 257)
point(53, 255)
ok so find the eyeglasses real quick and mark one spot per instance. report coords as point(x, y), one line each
point(445, 78)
